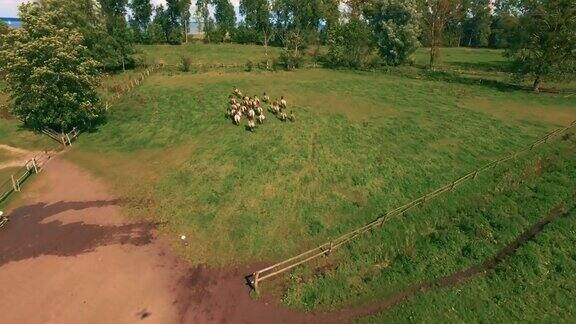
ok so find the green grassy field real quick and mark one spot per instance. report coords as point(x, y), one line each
point(206, 53)
point(362, 143)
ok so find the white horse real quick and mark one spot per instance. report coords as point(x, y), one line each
point(237, 119)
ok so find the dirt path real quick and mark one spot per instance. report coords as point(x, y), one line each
point(68, 256)
point(18, 156)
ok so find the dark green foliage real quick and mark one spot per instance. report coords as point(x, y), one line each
point(4, 28)
point(140, 19)
point(396, 26)
point(50, 73)
point(544, 44)
point(246, 35)
point(185, 63)
point(349, 44)
point(477, 23)
point(225, 18)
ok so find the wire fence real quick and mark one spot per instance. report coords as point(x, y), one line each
point(18, 177)
point(325, 249)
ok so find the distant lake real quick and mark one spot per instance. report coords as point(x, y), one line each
point(12, 22)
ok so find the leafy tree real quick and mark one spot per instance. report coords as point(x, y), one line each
point(436, 14)
point(477, 24)
point(88, 18)
point(115, 12)
point(298, 17)
point(355, 7)
point(395, 25)
point(350, 44)
point(505, 23)
point(51, 74)
point(185, 17)
point(140, 19)
point(173, 14)
point(4, 28)
point(257, 18)
point(291, 56)
point(205, 22)
point(546, 47)
point(225, 18)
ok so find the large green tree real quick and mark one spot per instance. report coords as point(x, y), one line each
point(114, 12)
point(396, 26)
point(477, 25)
point(203, 18)
point(545, 49)
point(350, 44)
point(140, 19)
point(185, 17)
point(257, 15)
point(437, 13)
point(50, 73)
point(225, 18)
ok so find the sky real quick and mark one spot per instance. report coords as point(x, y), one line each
point(9, 8)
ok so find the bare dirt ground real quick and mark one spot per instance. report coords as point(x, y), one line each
point(68, 256)
point(17, 156)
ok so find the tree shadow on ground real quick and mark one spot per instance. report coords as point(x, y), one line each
point(28, 236)
point(453, 77)
point(487, 66)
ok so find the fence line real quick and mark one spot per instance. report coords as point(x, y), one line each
point(133, 83)
point(66, 139)
point(325, 249)
point(14, 183)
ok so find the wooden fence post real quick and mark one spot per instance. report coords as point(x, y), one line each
point(256, 278)
point(14, 183)
point(35, 165)
point(69, 141)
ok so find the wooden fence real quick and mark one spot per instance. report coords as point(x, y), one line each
point(325, 249)
point(65, 139)
point(133, 83)
point(14, 183)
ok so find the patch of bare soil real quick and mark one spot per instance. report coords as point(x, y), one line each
point(17, 157)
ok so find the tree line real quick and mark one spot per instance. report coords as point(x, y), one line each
point(52, 64)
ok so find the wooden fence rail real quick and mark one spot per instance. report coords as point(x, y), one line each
point(133, 83)
point(14, 183)
point(325, 249)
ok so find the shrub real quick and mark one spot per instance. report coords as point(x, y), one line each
point(350, 45)
point(249, 66)
point(185, 63)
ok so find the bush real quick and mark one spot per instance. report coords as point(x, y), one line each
point(290, 60)
point(185, 63)
point(350, 45)
point(249, 66)
point(245, 35)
